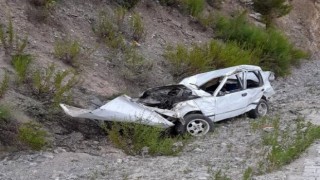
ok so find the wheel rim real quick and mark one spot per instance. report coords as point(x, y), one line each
point(198, 127)
point(262, 109)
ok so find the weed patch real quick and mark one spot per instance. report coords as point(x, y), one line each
point(137, 26)
point(68, 51)
point(33, 135)
point(194, 7)
point(8, 127)
point(4, 84)
point(286, 143)
point(54, 85)
point(10, 42)
point(136, 67)
point(136, 138)
point(21, 64)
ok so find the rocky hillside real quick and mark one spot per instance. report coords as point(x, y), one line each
point(79, 149)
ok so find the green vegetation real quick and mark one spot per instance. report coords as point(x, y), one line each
point(220, 176)
point(21, 64)
point(120, 14)
point(135, 66)
point(273, 49)
point(109, 32)
point(54, 85)
point(136, 138)
point(10, 42)
point(194, 7)
point(8, 127)
point(247, 175)
point(40, 9)
point(215, 3)
point(68, 51)
point(286, 143)
point(5, 113)
point(33, 135)
point(271, 9)
point(137, 26)
point(212, 55)
point(4, 84)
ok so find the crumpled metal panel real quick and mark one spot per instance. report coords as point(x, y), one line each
point(121, 109)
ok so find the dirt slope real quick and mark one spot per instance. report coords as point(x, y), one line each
point(80, 149)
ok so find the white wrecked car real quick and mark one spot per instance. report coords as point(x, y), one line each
point(194, 104)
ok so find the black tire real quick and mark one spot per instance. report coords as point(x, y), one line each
point(195, 125)
point(258, 112)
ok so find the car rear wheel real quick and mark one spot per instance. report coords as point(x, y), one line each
point(195, 125)
point(261, 109)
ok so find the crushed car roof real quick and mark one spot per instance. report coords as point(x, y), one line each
point(202, 78)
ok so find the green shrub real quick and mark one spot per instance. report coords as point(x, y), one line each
point(271, 46)
point(11, 43)
point(271, 9)
point(68, 51)
point(215, 3)
point(8, 127)
point(209, 56)
point(137, 26)
point(33, 135)
point(194, 7)
point(54, 85)
point(5, 113)
point(247, 175)
point(21, 64)
point(134, 138)
point(108, 31)
point(135, 67)
point(4, 84)
point(120, 14)
point(220, 176)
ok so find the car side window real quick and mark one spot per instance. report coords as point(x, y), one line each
point(254, 79)
point(233, 84)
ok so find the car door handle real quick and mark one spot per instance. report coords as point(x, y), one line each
point(244, 94)
point(262, 90)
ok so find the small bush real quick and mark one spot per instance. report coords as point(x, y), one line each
point(137, 26)
point(21, 64)
point(120, 14)
point(33, 135)
point(271, 46)
point(4, 84)
point(209, 56)
point(8, 127)
point(215, 3)
point(68, 51)
point(11, 43)
point(54, 85)
point(135, 67)
point(271, 9)
point(220, 176)
point(134, 138)
point(194, 7)
point(108, 31)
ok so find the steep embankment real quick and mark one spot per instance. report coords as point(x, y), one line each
point(80, 151)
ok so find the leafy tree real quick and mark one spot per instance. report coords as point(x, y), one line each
point(271, 9)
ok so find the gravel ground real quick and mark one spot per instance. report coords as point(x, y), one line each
point(232, 148)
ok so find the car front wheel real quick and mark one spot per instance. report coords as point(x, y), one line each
point(195, 125)
point(261, 109)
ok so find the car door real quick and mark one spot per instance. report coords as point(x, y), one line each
point(231, 102)
point(254, 87)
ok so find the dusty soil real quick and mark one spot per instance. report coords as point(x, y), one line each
point(80, 150)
